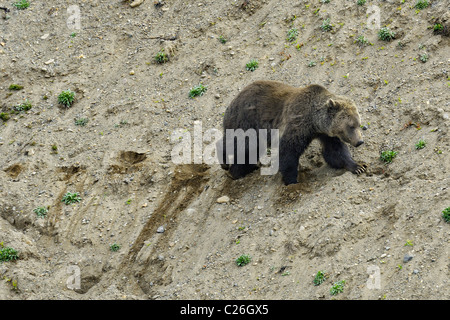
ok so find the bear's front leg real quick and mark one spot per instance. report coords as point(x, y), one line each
point(337, 155)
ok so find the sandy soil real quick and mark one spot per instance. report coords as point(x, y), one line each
point(120, 161)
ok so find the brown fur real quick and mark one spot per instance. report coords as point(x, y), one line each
point(301, 115)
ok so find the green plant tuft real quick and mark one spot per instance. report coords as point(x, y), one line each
point(252, 65)
point(292, 35)
point(421, 144)
point(70, 198)
point(161, 57)
point(15, 87)
point(386, 34)
point(197, 91)
point(114, 247)
point(326, 26)
point(319, 278)
point(243, 260)
point(421, 4)
point(446, 214)
point(337, 287)
point(8, 254)
point(41, 212)
point(21, 4)
point(66, 98)
point(388, 155)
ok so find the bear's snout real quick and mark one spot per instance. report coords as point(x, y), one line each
point(360, 142)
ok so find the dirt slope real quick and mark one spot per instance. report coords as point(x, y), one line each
point(120, 161)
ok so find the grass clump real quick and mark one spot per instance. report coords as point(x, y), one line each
point(70, 198)
point(388, 155)
point(446, 214)
point(252, 65)
point(319, 278)
point(8, 254)
point(292, 35)
point(66, 98)
point(362, 41)
point(243, 260)
point(222, 39)
point(41, 212)
point(197, 91)
point(337, 287)
point(161, 57)
point(421, 144)
point(81, 121)
point(23, 106)
point(326, 26)
point(386, 34)
point(421, 4)
point(4, 116)
point(21, 4)
point(15, 87)
point(423, 57)
point(114, 247)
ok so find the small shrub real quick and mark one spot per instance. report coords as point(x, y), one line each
point(114, 247)
point(23, 106)
point(337, 287)
point(386, 34)
point(161, 57)
point(4, 116)
point(421, 4)
point(81, 121)
point(361, 2)
point(15, 87)
point(292, 35)
point(325, 1)
point(243, 260)
point(421, 144)
point(312, 63)
point(197, 91)
point(446, 214)
point(319, 278)
point(252, 65)
point(41, 212)
point(8, 254)
point(361, 41)
point(326, 26)
point(222, 39)
point(21, 4)
point(423, 57)
point(66, 98)
point(70, 198)
point(388, 155)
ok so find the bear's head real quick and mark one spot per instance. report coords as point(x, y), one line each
point(345, 121)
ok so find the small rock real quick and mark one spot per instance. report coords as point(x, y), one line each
point(407, 258)
point(45, 36)
point(160, 229)
point(136, 3)
point(223, 199)
point(131, 72)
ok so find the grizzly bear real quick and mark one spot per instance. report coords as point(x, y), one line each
point(300, 115)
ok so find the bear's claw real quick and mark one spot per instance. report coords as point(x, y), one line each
point(360, 168)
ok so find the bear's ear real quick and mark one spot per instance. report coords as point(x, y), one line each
point(333, 107)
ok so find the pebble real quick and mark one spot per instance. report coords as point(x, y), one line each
point(407, 258)
point(160, 229)
point(223, 199)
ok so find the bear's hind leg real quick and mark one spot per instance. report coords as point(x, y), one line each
point(238, 171)
point(337, 155)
